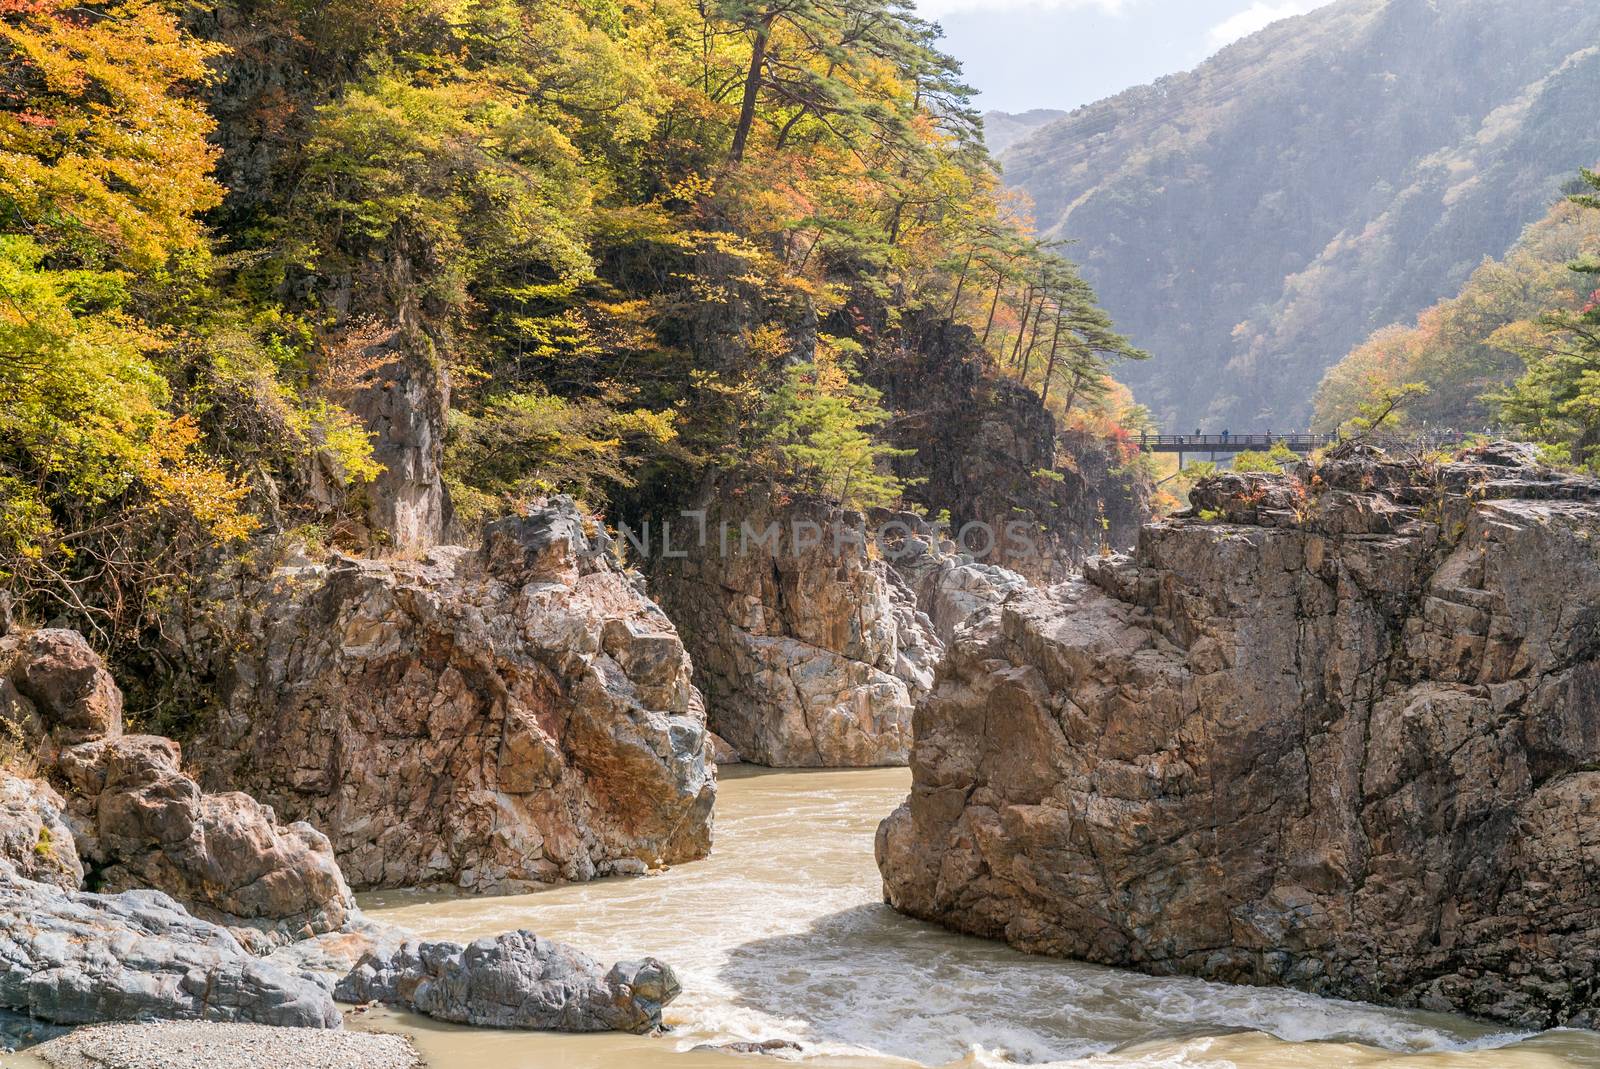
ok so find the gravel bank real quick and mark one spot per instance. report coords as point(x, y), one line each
point(205, 1045)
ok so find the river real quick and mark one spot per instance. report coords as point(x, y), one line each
point(781, 934)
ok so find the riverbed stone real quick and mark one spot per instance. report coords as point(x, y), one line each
point(212, 1045)
point(1336, 731)
point(72, 957)
point(515, 980)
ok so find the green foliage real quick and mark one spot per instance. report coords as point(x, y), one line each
point(1557, 399)
point(615, 228)
point(532, 443)
point(1469, 347)
point(819, 435)
point(1276, 459)
point(1385, 411)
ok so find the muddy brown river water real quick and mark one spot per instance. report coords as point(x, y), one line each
point(781, 934)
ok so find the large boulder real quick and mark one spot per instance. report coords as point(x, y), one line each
point(71, 957)
point(142, 823)
point(1337, 731)
point(516, 980)
point(809, 650)
point(56, 690)
point(520, 712)
point(34, 836)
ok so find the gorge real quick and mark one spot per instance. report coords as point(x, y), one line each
point(606, 534)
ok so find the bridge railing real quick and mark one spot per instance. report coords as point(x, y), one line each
point(1301, 442)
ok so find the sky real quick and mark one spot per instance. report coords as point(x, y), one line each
point(1023, 54)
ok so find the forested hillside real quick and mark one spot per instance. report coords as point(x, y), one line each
point(1517, 348)
point(1251, 221)
point(369, 273)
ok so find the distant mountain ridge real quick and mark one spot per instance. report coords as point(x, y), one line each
point(1002, 129)
point(1250, 221)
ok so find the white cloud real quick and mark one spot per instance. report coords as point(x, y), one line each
point(933, 9)
point(1257, 16)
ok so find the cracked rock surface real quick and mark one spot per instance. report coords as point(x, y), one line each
point(514, 713)
point(515, 980)
point(71, 957)
point(1337, 730)
point(811, 642)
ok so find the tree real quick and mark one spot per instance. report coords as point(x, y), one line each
point(1557, 399)
point(104, 171)
point(1385, 411)
point(819, 431)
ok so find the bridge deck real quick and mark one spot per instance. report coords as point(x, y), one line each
point(1227, 444)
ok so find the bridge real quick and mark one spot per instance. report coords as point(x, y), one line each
point(1302, 442)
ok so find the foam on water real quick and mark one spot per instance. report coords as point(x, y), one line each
point(782, 935)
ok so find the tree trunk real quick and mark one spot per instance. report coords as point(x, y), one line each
point(999, 284)
point(960, 282)
point(752, 89)
point(1022, 328)
point(1050, 365)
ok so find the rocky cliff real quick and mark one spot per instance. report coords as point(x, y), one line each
point(204, 907)
point(1336, 731)
point(515, 712)
point(985, 448)
point(814, 631)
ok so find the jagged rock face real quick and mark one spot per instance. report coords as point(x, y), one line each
point(141, 822)
point(810, 651)
point(515, 980)
point(56, 689)
point(1338, 734)
point(136, 818)
point(516, 713)
point(982, 442)
point(404, 404)
point(34, 836)
point(71, 957)
point(950, 587)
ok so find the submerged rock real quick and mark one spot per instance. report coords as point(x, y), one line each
point(70, 957)
point(516, 980)
point(1339, 732)
point(512, 714)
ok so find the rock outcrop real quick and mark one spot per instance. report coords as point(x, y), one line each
point(515, 713)
point(34, 836)
point(814, 631)
point(515, 980)
point(71, 957)
point(809, 650)
point(404, 402)
point(1337, 731)
point(136, 819)
point(57, 690)
point(141, 822)
point(986, 448)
